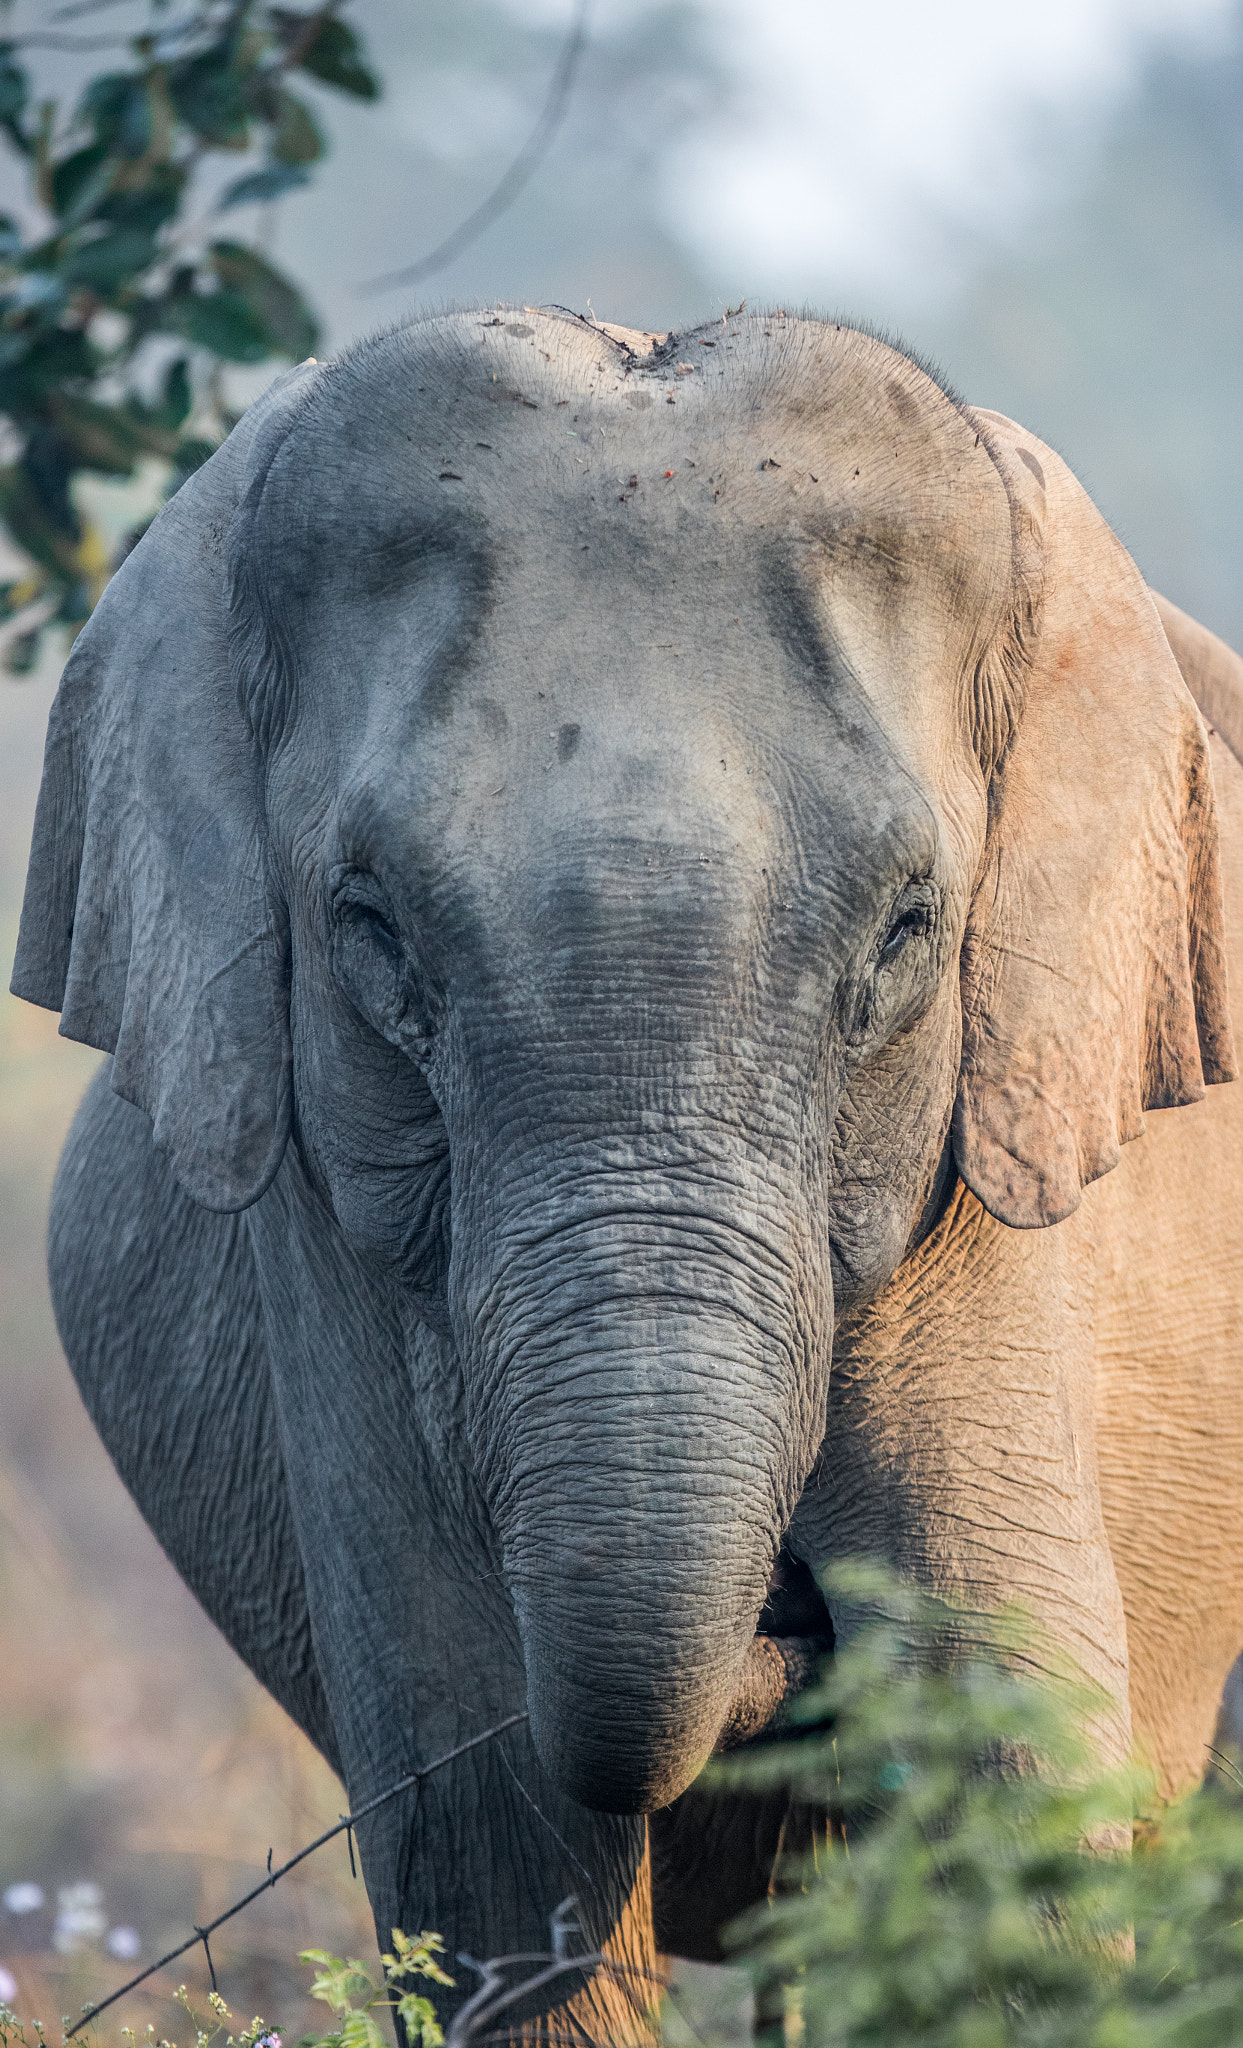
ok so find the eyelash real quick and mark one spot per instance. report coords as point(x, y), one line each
point(914, 920)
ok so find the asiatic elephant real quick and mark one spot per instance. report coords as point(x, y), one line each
point(616, 876)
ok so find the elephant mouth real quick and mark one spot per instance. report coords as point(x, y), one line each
point(793, 1636)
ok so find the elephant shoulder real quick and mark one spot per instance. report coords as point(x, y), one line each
point(158, 1308)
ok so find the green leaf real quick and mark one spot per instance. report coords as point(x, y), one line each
point(361, 2030)
point(225, 323)
point(14, 92)
point(334, 55)
point(272, 182)
point(297, 140)
point(342, 1983)
point(418, 2016)
point(207, 92)
point(273, 301)
point(149, 207)
point(177, 396)
point(106, 438)
point(22, 651)
point(53, 357)
point(103, 433)
point(109, 261)
point(118, 107)
point(85, 170)
point(102, 103)
point(415, 1957)
point(35, 525)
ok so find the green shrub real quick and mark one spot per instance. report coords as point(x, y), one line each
point(969, 1892)
point(343, 1984)
point(354, 1995)
point(970, 1889)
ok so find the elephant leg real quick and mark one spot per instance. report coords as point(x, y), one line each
point(419, 1646)
point(159, 1314)
point(713, 1857)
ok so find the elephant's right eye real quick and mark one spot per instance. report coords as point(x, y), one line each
point(901, 973)
point(914, 921)
point(376, 927)
point(370, 961)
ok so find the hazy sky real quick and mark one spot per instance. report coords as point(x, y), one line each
point(824, 150)
point(851, 141)
point(865, 128)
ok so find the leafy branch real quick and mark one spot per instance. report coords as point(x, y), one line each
point(119, 313)
point(352, 1993)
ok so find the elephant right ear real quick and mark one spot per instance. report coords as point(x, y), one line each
point(148, 920)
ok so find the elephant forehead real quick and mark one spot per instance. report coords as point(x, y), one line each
point(540, 437)
point(477, 511)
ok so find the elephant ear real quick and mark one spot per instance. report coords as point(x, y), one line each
point(148, 920)
point(1093, 967)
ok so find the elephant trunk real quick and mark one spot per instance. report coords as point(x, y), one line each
point(643, 1439)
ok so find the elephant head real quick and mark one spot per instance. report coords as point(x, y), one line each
point(643, 823)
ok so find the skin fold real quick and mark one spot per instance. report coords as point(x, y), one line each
point(659, 914)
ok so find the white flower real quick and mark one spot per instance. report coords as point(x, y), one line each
point(124, 1942)
point(79, 1917)
point(23, 1898)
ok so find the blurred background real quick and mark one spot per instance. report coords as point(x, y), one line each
point(1047, 200)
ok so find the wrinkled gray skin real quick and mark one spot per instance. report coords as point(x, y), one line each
point(545, 910)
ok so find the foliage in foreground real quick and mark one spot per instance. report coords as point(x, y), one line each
point(354, 1995)
point(968, 1892)
point(959, 1904)
point(120, 309)
point(343, 1984)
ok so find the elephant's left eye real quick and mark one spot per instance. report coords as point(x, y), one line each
point(899, 975)
point(913, 922)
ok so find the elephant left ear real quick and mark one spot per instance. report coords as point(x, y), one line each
point(1093, 966)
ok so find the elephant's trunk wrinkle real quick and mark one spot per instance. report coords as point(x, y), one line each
point(573, 1315)
point(658, 1224)
point(700, 1230)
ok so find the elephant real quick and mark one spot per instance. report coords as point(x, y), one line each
point(661, 911)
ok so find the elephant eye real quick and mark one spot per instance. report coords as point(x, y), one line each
point(370, 959)
point(373, 924)
point(911, 923)
point(899, 974)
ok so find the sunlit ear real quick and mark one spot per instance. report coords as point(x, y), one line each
point(1093, 970)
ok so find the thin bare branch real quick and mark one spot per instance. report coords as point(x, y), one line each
point(518, 175)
